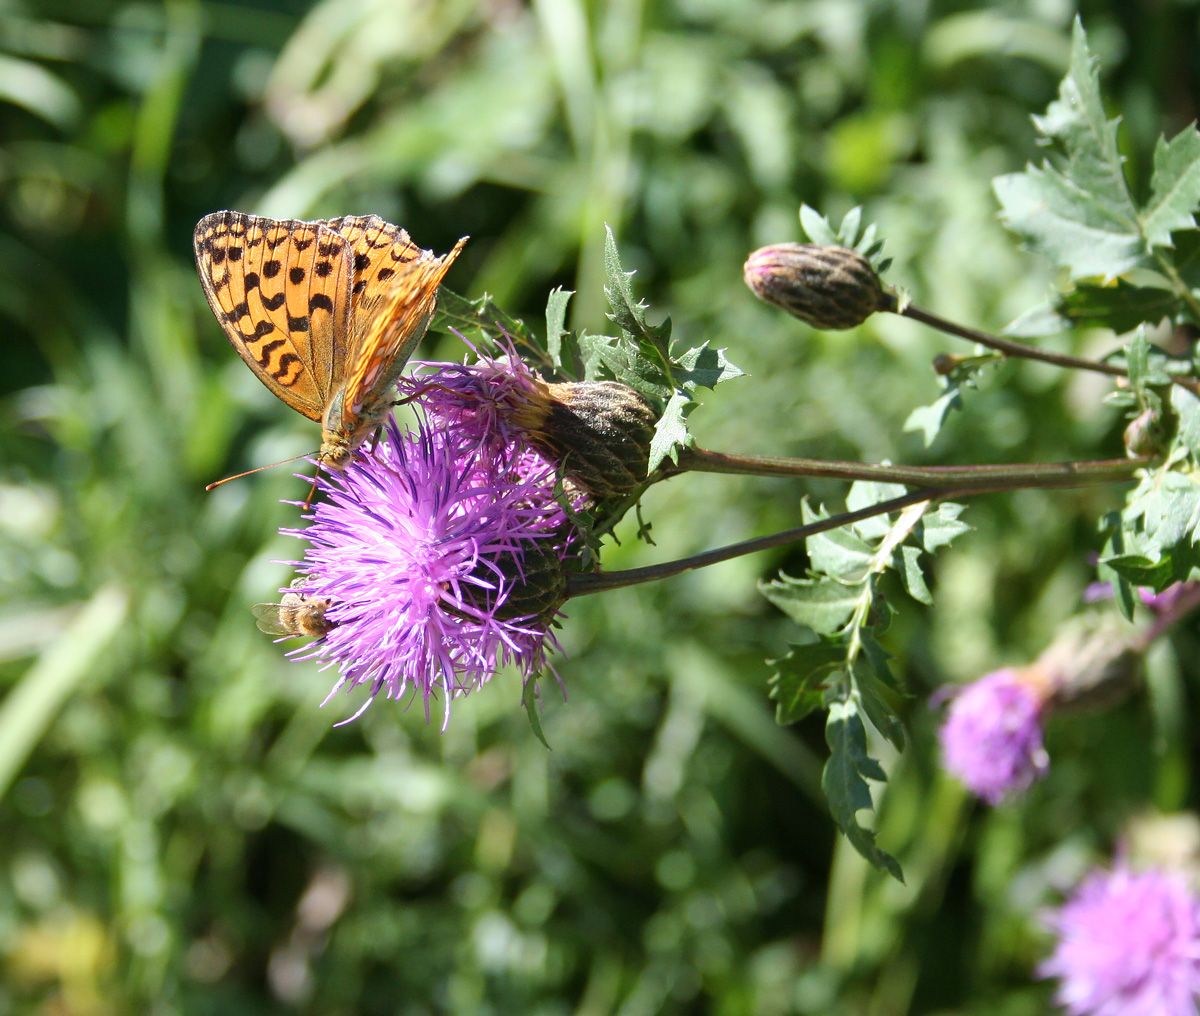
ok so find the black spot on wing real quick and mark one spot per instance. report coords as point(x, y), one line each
point(320, 301)
point(271, 268)
point(297, 324)
point(274, 302)
point(296, 275)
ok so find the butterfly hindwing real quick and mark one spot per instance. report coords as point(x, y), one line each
point(395, 290)
point(281, 290)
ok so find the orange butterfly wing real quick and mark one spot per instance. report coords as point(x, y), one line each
point(395, 294)
point(326, 312)
point(281, 290)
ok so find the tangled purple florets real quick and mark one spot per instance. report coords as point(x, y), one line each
point(408, 545)
point(1128, 945)
point(992, 736)
point(477, 399)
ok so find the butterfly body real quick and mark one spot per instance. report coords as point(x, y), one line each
point(325, 312)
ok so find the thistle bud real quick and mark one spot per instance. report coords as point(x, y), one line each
point(1146, 435)
point(945, 364)
point(600, 431)
point(830, 288)
point(535, 580)
point(1093, 661)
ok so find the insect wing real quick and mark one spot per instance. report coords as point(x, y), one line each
point(282, 292)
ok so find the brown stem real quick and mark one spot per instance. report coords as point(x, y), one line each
point(1010, 348)
point(1038, 474)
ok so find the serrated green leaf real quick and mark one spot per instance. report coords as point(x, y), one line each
point(529, 699)
point(863, 494)
point(839, 553)
point(844, 782)
point(1079, 214)
point(824, 605)
point(795, 687)
point(653, 341)
point(1121, 307)
point(877, 656)
point(1142, 571)
point(848, 230)
point(1167, 507)
point(1174, 187)
point(705, 367)
point(912, 575)
point(874, 703)
point(817, 228)
point(930, 419)
point(1187, 409)
point(556, 328)
point(670, 432)
point(941, 526)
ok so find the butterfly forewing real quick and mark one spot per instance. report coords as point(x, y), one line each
point(325, 313)
point(281, 290)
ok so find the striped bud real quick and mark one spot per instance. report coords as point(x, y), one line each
point(831, 288)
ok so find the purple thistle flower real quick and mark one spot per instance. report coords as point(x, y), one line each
point(1128, 945)
point(992, 735)
point(418, 545)
point(494, 401)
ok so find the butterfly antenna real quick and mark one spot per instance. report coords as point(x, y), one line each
point(256, 469)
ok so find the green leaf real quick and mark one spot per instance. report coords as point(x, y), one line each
point(824, 605)
point(930, 419)
point(652, 341)
point(492, 324)
point(839, 553)
point(939, 527)
point(670, 432)
point(875, 684)
point(796, 685)
point(864, 494)
point(1187, 408)
point(844, 782)
point(561, 354)
point(705, 367)
point(1079, 214)
point(817, 228)
point(912, 575)
point(1174, 187)
point(1120, 306)
point(529, 699)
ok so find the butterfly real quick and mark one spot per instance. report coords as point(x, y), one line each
point(297, 614)
point(325, 313)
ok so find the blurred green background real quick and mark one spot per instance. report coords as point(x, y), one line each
point(182, 829)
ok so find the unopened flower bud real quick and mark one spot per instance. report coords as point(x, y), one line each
point(1146, 435)
point(830, 288)
point(601, 432)
point(945, 364)
point(1093, 661)
point(535, 583)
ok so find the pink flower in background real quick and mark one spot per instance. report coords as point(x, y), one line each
point(1128, 945)
point(992, 735)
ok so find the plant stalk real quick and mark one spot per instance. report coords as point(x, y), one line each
point(1020, 349)
point(1037, 474)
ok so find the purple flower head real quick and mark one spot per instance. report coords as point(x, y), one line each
point(419, 545)
point(494, 401)
point(1128, 945)
point(992, 735)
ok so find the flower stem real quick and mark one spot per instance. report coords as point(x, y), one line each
point(978, 480)
point(583, 583)
point(1189, 600)
point(1020, 349)
point(993, 477)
